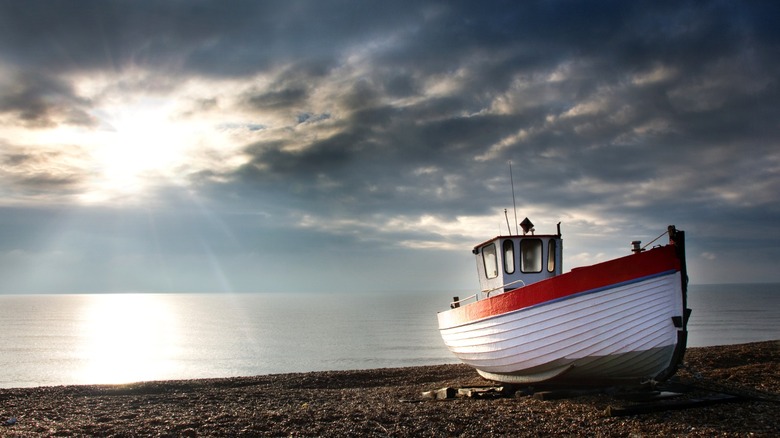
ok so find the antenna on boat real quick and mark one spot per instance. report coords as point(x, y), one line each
point(509, 229)
point(514, 204)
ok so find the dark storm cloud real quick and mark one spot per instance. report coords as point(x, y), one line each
point(638, 113)
point(277, 100)
point(30, 171)
point(641, 112)
point(38, 101)
point(206, 36)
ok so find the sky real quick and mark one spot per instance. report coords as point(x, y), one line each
point(288, 146)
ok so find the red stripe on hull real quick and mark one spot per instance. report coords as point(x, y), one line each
point(628, 268)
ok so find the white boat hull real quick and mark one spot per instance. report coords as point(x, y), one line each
point(615, 333)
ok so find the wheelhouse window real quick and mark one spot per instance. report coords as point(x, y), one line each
point(490, 260)
point(551, 255)
point(509, 256)
point(531, 255)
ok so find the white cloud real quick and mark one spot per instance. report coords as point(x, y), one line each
point(659, 73)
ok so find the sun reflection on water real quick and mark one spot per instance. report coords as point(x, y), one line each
point(127, 338)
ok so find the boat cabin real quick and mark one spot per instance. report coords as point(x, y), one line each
point(508, 262)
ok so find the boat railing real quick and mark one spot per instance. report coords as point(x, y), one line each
point(502, 287)
point(456, 302)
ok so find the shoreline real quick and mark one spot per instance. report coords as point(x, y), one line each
point(388, 402)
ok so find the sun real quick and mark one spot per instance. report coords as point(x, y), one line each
point(139, 146)
point(137, 142)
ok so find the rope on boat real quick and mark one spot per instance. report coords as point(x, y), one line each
point(652, 241)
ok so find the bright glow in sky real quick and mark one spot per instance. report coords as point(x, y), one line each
point(275, 146)
point(141, 143)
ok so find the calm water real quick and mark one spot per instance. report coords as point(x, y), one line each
point(84, 339)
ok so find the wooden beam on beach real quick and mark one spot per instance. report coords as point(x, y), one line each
point(440, 394)
point(476, 392)
point(489, 392)
point(646, 408)
point(559, 394)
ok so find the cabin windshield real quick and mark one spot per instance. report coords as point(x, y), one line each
point(551, 255)
point(490, 261)
point(531, 255)
point(509, 256)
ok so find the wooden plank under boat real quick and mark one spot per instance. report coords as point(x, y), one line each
point(622, 320)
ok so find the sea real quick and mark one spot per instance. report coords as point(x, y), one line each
point(50, 340)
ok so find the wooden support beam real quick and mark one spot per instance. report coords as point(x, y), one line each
point(646, 408)
point(565, 393)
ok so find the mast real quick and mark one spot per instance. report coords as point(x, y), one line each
point(514, 204)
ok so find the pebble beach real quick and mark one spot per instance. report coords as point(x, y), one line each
point(390, 402)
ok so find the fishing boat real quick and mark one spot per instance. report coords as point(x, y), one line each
point(620, 321)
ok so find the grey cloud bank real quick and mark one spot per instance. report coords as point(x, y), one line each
point(364, 146)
